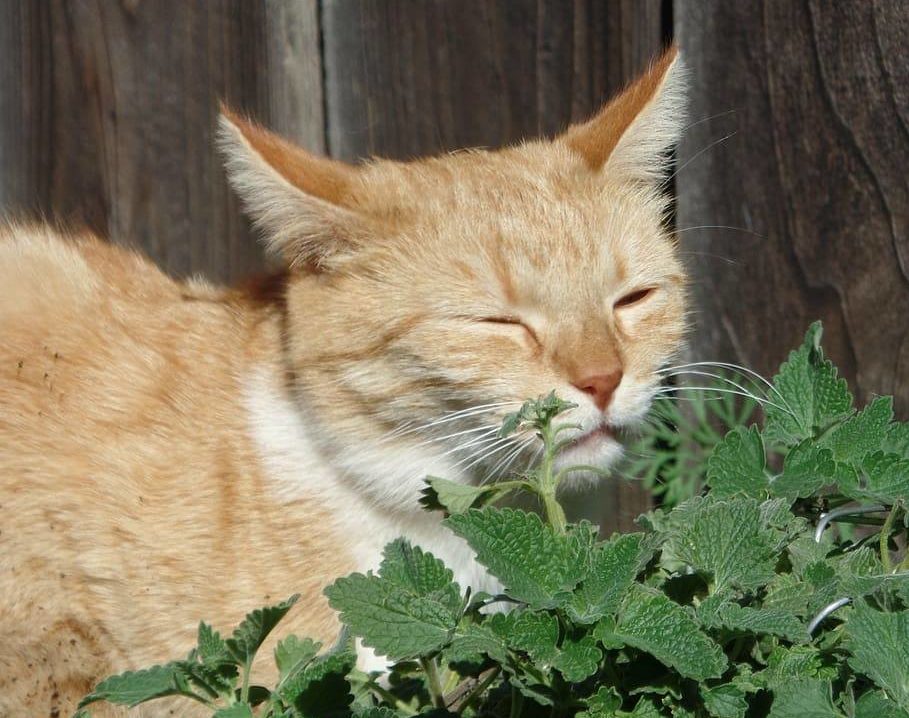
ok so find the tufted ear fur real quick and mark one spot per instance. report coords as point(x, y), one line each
point(300, 201)
point(632, 135)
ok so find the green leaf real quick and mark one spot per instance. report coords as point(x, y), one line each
point(803, 698)
point(726, 539)
point(861, 434)
point(533, 632)
point(530, 686)
point(214, 678)
point(875, 704)
point(135, 687)
point(535, 564)
point(292, 654)
point(738, 464)
point(787, 593)
point(250, 634)
point(420, 573)
point(787, 664)
point(212, 648)
point(535, 413)
point(805, 551)
point(725, 701)
point(859, 572)
point(884, 478)
point(806, 468)
point(650, 621)
point(578, 660)
point(879, 643)
point(454, 496)
point(614, 566)
point(377, 712)
point(896, 441)
point(602, 704)
point(644, 708)
point(239, 710)
point(411, 608)
point(809, 395)
point(769, 621)
point(322, 687)
point(475, 640)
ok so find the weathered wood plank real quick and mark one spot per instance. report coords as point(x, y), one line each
point(815, 178)
point(295, 105)
point(108, 111)
point(405, 79)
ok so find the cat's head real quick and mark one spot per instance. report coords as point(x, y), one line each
point(472, 281)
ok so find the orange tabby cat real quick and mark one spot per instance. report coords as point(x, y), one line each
point(173, 450)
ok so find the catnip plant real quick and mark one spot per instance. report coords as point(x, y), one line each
point(743, 601)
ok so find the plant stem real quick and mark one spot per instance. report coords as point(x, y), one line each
point(546, 487)
point(432, 680)
point(554, 512)
point(517, 703)
point(389, 697)
point(244, 691)
point(478, 689)
point(885, 539)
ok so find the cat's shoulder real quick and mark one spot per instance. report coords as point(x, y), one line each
point(79, 257)
point(40, 264)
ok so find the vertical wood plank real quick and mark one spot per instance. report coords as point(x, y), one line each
point(295, 106)
point(108, 115)
point(23, 115)
point(405, 79)
point(814, 179)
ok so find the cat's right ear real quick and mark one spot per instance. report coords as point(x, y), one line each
point(300, 201)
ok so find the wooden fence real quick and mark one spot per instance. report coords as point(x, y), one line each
point(107, 109)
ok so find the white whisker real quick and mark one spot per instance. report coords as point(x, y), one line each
point(501, 445)
point(673, 389)
point(718, 377)
point(502, 466)
point(697, 154)
point(735, 367)
point(469, 412)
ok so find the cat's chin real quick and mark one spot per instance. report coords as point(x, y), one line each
point(599, 448)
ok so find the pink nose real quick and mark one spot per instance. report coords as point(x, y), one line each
point(601, 387)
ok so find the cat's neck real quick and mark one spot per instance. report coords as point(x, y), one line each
point(371, 493)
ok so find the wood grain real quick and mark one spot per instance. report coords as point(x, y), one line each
point(814, 180)
point(293, 77)
point(108, 116)
point(405, 79)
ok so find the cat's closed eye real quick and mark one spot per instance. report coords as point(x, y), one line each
point(635, 297)
point(510, 321)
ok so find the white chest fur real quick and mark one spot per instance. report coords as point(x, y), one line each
point(371, 518)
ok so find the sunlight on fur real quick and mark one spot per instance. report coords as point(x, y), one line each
point(153, 433)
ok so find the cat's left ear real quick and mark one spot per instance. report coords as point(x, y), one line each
point(303, 203)
point(632, 135)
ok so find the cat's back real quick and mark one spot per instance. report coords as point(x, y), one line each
point(99, 343)
point(128, 478)
point(47, 274)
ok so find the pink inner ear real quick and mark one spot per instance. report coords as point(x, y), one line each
point(597, 138)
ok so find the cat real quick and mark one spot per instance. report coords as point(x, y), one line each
point(171, 451)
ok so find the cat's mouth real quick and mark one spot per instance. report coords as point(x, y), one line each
point(600, 433)
point(598, 446)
